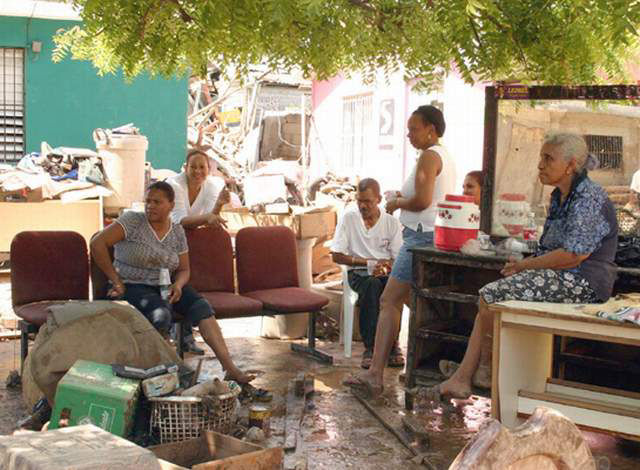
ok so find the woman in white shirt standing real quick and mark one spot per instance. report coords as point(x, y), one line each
point(430, 180)
point(198, 200)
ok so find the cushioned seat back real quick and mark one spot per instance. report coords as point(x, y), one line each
point(99, 281)
point(210, 259)
point(48, 265)
point(266, 258)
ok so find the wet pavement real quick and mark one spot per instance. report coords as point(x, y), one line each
point(337, 431)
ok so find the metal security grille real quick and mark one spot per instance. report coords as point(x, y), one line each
point(11, 104)
point(607, 149)
point(357, 125)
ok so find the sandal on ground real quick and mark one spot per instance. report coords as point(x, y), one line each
point(396, 359)
point(367, 357)
point(363, 386)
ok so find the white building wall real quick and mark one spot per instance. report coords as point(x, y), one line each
point(390, 156)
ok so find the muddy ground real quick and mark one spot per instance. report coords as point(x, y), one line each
point(338, 432)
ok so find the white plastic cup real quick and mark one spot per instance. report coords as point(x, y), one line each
point(371, 266)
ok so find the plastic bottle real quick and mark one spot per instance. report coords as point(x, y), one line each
point(164, 283)
point(530, 231)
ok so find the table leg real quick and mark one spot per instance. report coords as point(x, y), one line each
point(524, 362)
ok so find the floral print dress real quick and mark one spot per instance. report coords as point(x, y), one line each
point(584, 223)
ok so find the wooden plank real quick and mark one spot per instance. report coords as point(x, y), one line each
point(572, 333)
point(295, 407)
point(582, 402)
point(556, 311)
point(448, 293)
point(594, 388)
point(84, 217)
point(266, 459)
point(598, 420)
point(428, 333)
point(593, 392)
point(495, 367)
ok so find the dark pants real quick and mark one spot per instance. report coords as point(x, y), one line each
point(369, 289)
point(192, 306)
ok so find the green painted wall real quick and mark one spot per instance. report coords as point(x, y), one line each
point(66, 101)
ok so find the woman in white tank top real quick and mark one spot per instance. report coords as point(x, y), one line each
point(432, 177)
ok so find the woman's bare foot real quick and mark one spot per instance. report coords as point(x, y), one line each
point(239, 376)
point(453, 388)
point(366, 383)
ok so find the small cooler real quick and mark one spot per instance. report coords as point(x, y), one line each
point(90, 393)
point(458, 220)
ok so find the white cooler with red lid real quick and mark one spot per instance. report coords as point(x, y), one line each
point(458, 220)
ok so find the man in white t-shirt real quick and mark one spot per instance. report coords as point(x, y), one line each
point(368, 234)
point(634, 197)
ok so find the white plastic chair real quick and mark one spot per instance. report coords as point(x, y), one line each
point(349, 299)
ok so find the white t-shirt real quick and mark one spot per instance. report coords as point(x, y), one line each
point(205, 200)
point(382, 241)
point(635, 182)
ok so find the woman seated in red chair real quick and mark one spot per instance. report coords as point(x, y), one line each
point(144, 244)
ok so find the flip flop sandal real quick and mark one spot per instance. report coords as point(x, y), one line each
point(362, 386)
point(367, 357)
point(396, 359)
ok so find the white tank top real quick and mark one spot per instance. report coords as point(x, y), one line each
point(445, 184)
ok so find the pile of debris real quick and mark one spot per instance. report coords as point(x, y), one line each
point(63, 173)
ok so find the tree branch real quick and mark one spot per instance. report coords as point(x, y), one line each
point(186, 17)
point(364, 5)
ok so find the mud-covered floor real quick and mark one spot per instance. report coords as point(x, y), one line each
point(337, 431)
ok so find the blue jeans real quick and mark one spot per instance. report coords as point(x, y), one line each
point(403, 265)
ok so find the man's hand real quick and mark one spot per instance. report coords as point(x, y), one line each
point(214, 220)
point(175, 293)
point(117, 290)
point(383, 268)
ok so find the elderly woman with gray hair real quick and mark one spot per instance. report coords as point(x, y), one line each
point(574, 261)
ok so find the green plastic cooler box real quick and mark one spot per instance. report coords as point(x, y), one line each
point(91, 394)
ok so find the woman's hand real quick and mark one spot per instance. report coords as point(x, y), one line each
point(175, 293)
point(117, 290)
point(391, 205)
point(224, 197)
point(214, 220)
point(512, 267)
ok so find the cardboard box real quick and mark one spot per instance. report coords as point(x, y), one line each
point(22, 195)
point(305, 223)
point(84, 447)
point(214, 451)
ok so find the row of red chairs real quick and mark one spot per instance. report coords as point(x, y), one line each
point(51, 266)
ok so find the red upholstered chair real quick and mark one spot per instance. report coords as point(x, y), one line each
point(267, 269)
point(46, 267)
point(211, 263)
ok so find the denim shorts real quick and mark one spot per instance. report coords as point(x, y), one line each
point(403, 265)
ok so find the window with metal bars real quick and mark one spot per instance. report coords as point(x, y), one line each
point(11, 104)
point(357, 128)
point(607, 149)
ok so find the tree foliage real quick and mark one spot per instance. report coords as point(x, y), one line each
point(542, 41)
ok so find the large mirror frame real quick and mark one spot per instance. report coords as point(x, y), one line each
point(494, 94)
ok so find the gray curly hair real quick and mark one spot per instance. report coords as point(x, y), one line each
point(572, 146)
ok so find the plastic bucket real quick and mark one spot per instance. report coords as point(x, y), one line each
point(123, 158)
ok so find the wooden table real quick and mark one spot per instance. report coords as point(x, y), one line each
point(443, 308)
point(522, 367)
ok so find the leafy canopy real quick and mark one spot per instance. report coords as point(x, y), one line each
point(543, 41)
